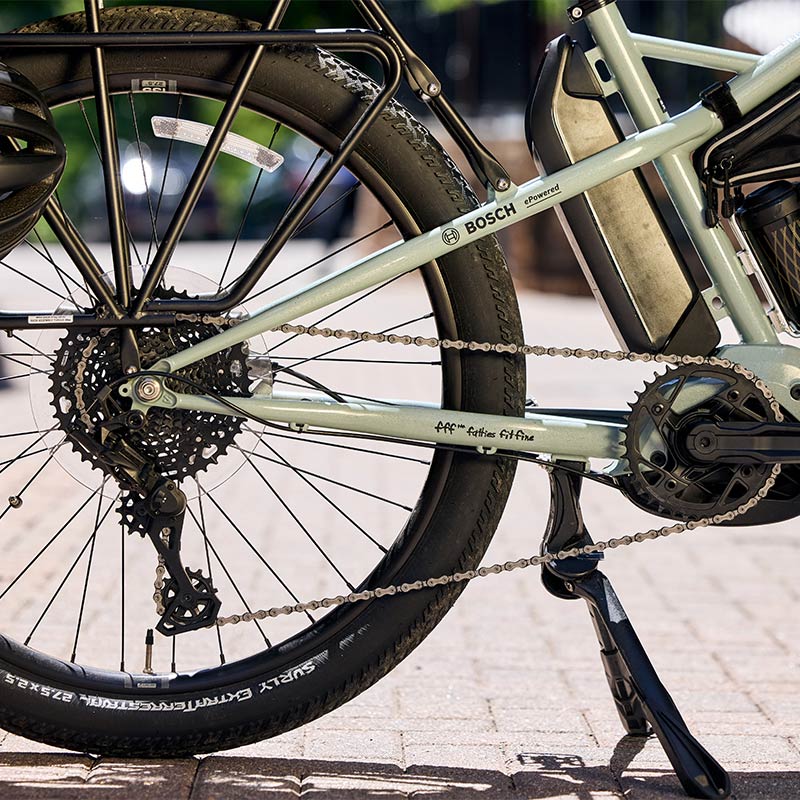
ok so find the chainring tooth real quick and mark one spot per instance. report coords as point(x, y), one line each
point(664, 480)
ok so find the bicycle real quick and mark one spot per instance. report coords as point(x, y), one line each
point(156, 391)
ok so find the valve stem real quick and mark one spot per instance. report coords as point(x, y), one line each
point(148, 652)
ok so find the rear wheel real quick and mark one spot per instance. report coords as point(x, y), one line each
point(273, 518)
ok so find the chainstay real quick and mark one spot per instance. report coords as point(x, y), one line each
point(536, 560)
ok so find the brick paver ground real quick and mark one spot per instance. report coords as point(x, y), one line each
point(507, 698)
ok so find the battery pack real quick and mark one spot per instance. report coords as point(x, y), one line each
point(616, 230)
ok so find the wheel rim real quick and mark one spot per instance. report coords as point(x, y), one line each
point(102, 508)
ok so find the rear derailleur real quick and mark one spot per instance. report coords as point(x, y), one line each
point(154, 506)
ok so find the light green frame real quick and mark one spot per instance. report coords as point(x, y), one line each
point(666, 141)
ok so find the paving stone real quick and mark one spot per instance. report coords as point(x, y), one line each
point(148, 779)
point(243, 778)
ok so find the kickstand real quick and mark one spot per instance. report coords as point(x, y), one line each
point(644, 705)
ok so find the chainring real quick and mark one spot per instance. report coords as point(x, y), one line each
point(663, 478)
point(179, 444)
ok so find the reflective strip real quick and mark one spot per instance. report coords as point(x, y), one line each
point(199, 133)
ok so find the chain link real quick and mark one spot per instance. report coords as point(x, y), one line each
point(458, 344)
point(536, 560)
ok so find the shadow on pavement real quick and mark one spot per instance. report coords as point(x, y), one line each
point(535, 776)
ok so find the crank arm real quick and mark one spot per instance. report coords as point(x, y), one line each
point(745, 442)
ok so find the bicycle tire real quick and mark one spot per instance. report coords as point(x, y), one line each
point(123, 714)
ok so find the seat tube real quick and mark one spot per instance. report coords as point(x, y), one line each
point(681, 181)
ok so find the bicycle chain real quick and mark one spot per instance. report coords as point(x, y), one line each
point(533, 561)
point(458, 344)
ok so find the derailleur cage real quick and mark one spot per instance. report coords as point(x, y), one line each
point(188, 598)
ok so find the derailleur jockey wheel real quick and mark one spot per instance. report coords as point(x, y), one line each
point(664, 479)
point(198, 610)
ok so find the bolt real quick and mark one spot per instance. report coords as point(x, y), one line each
point(576, 12)
point(130, 370)
point(165, 531)
point(432, 89)
point(733, 394)
point(705, 442)
point(795, 391)
point(135, 419)
point(670, 486)
point(658, 458)
point(148, 389)
point(658, 408)
point(14, 501)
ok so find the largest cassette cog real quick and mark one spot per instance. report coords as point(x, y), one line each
point(179, 444)
point(663, 478)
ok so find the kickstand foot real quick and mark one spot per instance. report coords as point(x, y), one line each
point(644, 705)
point(640, 695)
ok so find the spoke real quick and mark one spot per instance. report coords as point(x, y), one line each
point(299, 524)
point(348, 486)
point(366, 361)
point(305, 437)
point(21, 375)
point(295, 364)
point(339, 310)
point(33, 280)
point(154, 238)
point(62, 274)
point(66, 577)
point(164, 179)
point(241, 229)
point(123, 536)
point(320, 261)
point(10, 461)
point(33, 370)
point(225, 569)
point(23, 433)
point(301, 474)
point(47, 545)
point(331, 393)
point(275, 128)
point(300, 186)
point(88, 572)
point(208, 562)
point(33, 347)
point(100, 159)
point(345, 194)
point(32, 478)
point(49, 356)
point(254, 549)
point(26, 451)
